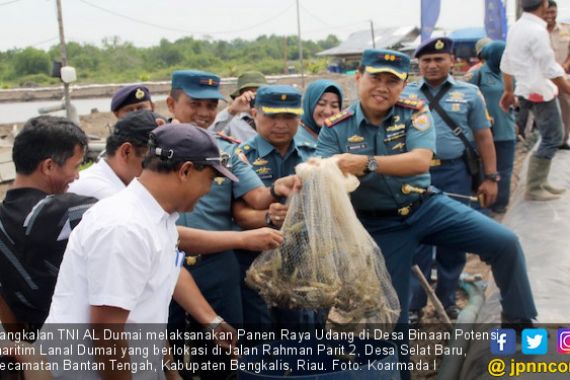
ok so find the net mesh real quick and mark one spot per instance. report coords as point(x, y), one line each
point(327, 259)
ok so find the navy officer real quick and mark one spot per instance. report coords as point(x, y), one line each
point(461, 126)
point(388, 142)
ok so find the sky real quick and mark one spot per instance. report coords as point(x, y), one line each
point(145, 22)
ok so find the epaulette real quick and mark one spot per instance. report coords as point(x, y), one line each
point(414, 104)
point(335, 119)
point(227, 138)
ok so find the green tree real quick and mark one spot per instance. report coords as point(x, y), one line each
point(31, 61)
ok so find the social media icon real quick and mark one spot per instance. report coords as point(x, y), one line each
point(534, 341)
point(504, 342)
point(563, 341)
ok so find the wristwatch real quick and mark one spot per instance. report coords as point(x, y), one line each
point(372, 165)
point(495, 177)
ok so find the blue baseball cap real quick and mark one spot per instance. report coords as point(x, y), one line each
point(435, 46)
point(128, 95)
point(197, 84)
point(386, 61)
point(186, 142)
point(278, 99)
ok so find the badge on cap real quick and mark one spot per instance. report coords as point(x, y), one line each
point(139, 94)
point(439, 45)
point(284, 97)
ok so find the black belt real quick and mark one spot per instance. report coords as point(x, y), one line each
point(404, 211)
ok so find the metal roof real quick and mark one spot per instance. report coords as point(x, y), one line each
point(385, 38)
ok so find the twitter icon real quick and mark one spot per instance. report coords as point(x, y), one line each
point(534, 341)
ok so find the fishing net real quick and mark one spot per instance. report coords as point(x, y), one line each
point(327, 259)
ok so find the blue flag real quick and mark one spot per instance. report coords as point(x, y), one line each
point(495, 20)
point(430, 14)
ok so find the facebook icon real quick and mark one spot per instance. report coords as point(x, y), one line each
point(503, 342)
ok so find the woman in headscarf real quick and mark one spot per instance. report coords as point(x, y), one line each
point(490, 81)
point(322, 99)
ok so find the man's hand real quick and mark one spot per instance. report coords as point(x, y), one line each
point(489, 189)
point(242, 103)
point(285, 186)
point(225, 336)
point(261, 239)
point(507, 100)
point(354, 164)
point(277, 213)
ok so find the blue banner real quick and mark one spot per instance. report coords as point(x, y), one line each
point(429, 16)
point(495, 20)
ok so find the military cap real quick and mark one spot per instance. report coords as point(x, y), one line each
point(278, 99)
point(435, 46)
point(186, 142)
point(137, 125)
point(386, 61)
point(128, 95)
point(248, 80)
point(197, 84)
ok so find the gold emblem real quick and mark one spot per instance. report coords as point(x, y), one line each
point(264, 170)
point(404, 211)
point(396, 118)
point(139, 94)
point(284, 97)
point(421, 122)
point(247, 147)
point(260, 162)
point(355, 139)
point(439, 45)
point(396, 127)
point(456, 107)
point(210, 82)
point(220, 180)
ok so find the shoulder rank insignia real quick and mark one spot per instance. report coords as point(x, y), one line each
point(227, 138)
point(355, 139)
point(414, 104)
point(335, 119)
point(260, 162)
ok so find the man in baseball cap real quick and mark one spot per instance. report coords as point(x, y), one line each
point(131, 98)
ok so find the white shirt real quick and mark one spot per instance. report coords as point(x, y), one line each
point(98, 181)
point(233, 125)
point(530, 59)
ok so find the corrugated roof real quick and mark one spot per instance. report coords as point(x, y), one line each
point(385, 38)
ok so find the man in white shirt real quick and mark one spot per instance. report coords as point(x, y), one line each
point(530, 60)
point(122, 263)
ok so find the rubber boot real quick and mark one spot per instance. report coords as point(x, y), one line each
point(545, 185)
point(536, 177)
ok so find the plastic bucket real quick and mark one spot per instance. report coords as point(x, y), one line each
point(362, 360)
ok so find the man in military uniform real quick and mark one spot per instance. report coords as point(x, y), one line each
point(454, 104)
point(274, 152)
point(388, 142)
point(236, 120)
point(131, 98)
point(194, 99)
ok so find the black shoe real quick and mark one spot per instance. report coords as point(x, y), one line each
point(452, 312)
point(518, 324)
point(414, 317)
point(564, 146)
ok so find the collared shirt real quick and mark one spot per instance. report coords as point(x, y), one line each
point(213, 211)
point(464, 103)
point(238, 126)
point(124, 254)
point(491, 86)
point(402, 130)
point(530, 59)
point(99, 181)
point(268, 163)
point(303, 135)
point(560, 40)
